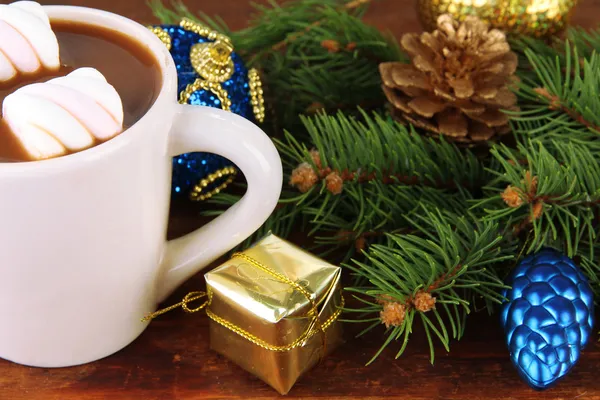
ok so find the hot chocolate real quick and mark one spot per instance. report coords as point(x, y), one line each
point(125, 64)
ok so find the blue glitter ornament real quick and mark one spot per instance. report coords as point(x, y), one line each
point(548, 317)
point(209, 74)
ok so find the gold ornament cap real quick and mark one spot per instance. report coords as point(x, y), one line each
point(212, 60)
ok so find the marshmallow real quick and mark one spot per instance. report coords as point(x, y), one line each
point(27, 42)
point(64, 115)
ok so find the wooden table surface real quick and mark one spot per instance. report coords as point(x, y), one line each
point(172, 359)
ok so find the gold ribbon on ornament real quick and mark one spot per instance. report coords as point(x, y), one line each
point(314, 327)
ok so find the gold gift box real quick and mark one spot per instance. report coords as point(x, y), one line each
point(274, 310)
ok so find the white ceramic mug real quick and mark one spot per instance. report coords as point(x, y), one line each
point(83, 250)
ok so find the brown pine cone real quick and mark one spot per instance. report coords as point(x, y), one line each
point(458, 81)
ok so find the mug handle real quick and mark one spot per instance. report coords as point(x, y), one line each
point(211, 130)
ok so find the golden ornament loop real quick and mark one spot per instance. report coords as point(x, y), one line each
point(196, 193)
point(162, 34)
point(315, 326)
point(214, 87)
point(212, 60)
point(256, 95)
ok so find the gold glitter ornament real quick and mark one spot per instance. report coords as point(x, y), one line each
point(538, 18)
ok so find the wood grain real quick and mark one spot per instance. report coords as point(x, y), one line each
point(172, 359)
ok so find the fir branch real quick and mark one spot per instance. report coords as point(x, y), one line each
point(362, 210)
point(385, 170)
point(583, 41)
point(375, 148)
point(434, 277)
point(276, 26)
point(560, 102)
point(556, 197)
point(554, 103)
point(171, 15)
point(291, 37)
point(386, 177)
point(382, 150)
point(587, 260)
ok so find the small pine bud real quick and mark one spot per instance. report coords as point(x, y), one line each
point(512, 197)
point(392, 314)
point(543, 92)
point(332, 46)
point(304, 177)
point(313, 108)
point(384, 299)
point(316, 158)
point(424, 301)
point(530, 183)
point(554, 100)
point(361, 243)
point(351, 46)
point(335, 183)
point(536, 210)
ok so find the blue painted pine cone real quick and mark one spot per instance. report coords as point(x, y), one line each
point(548, 317)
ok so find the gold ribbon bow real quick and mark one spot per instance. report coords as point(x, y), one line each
point(315, 326)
